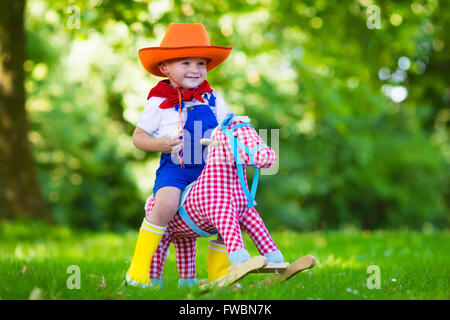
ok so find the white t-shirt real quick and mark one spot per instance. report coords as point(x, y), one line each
point(160, 122)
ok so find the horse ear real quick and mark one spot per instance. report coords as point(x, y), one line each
point(226, 122)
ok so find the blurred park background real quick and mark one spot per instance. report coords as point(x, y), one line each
point(358, 90)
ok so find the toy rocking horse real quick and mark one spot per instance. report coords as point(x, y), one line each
point(219, 201)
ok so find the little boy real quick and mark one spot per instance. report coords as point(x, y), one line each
point(183, 105)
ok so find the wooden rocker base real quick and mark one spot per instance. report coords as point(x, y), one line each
point(239, 270)
point(283, 271)
point(297, 266)
point(272, 267)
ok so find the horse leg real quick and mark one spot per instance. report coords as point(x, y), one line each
point(228, 226)
point(159, 259)
point(254, 226)
point(186, 249)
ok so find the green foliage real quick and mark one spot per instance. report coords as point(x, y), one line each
point(351, 152)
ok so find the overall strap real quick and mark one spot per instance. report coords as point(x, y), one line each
point(211, 99)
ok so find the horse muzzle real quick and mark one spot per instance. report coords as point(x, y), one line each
point(264, 158)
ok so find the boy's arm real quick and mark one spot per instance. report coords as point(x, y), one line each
point(168, 144)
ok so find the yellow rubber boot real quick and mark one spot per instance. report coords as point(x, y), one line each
point(218, 262)
point(148, 240)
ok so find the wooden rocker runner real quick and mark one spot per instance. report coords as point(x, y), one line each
point(283, 271)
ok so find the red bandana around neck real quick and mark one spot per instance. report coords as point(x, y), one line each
point(164, 90)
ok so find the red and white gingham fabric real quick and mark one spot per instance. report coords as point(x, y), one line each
point(216, 203)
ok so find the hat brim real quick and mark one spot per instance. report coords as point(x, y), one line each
point(150, 57)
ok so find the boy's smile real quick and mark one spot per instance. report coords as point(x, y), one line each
point(189, 73)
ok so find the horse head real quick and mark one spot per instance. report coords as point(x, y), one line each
point(238, 141)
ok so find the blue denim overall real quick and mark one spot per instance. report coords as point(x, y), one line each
point(200, 118)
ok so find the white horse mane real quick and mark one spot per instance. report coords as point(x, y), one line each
point(235, 118)
point(241, 118)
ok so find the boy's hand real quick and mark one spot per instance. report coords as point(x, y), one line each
point(167, 144)
point(170, 144)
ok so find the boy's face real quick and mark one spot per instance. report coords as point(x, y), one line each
point(187, 72)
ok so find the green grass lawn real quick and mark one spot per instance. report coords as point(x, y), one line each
point(35, 260)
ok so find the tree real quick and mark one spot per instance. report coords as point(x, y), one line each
point(20, 194)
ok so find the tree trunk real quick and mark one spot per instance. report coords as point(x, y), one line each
point(20, 194)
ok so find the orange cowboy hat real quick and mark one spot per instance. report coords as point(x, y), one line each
point(183, 40)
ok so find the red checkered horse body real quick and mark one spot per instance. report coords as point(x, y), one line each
point(217, 203)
